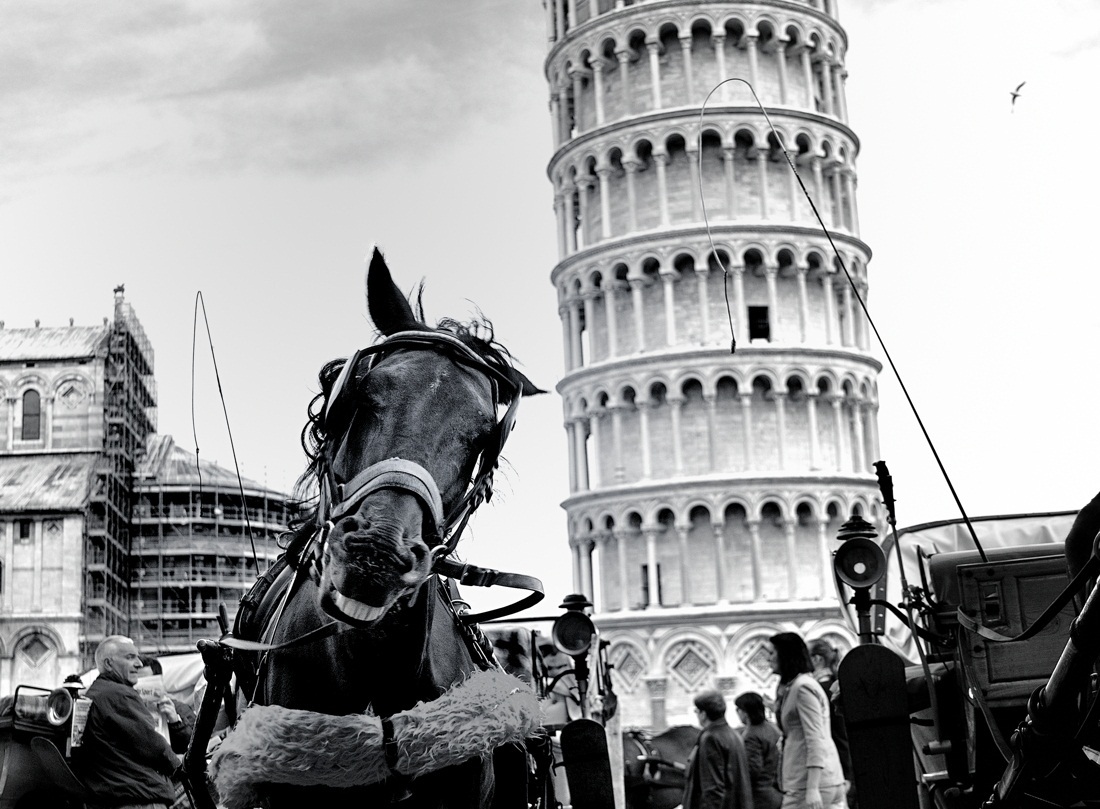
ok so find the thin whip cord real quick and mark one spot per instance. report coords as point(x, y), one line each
point(851, 283)
point(194, 431)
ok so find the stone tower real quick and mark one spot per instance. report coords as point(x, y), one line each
point(706, 486)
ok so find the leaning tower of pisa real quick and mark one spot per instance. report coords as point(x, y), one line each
point(707, 485)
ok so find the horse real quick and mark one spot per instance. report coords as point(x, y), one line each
point(402, 441)
point(655, 766)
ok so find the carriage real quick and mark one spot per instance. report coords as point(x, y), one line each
point(975, 669)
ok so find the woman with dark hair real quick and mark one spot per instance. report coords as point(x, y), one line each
point(761, 740)
point(812, 776)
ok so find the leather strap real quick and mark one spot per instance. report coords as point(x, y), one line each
point(485, 577)
point(394, 473)
point(313, 636)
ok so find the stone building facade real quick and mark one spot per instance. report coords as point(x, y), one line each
point(707, 484)
point(77, 421)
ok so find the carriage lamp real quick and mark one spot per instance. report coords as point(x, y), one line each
point(38, 707)
point(573, 631)
point(860, 563)
point(572, 634)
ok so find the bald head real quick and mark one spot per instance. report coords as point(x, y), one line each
point(117, 655)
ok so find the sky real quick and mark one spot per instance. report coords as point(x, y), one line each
point(255, 151)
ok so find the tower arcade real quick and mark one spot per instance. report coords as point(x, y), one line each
point(707, 486)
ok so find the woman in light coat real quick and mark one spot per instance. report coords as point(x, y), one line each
point(810, 775)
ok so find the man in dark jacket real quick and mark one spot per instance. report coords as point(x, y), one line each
point(717, 769)
point(123, 761)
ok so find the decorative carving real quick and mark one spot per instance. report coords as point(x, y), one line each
point(72, 394)
point(628, 666)
point(691, 663)
point(754, 658)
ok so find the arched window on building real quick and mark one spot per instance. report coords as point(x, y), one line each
point(32, 416)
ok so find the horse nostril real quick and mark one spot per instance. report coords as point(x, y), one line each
point(349, 525)
point(419, 551)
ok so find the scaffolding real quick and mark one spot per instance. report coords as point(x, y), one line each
point(129, 414)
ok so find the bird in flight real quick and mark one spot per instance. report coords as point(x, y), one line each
point(1016, 94)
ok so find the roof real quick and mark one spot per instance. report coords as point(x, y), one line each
point(165, 464)
point(59, 343)
point(45, 482)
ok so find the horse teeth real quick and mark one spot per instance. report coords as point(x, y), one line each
point(356, 609)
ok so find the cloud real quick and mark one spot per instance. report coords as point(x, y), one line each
point(274, 85)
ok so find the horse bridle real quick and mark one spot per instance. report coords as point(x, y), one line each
point(337, 499)
point(340, 498)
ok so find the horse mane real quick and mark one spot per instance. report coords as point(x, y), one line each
point(476, 333)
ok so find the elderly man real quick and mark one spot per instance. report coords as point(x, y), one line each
point(123, 761)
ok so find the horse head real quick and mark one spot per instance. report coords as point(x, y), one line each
point(408, 440)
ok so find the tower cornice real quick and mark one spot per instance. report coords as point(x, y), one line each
point(716, 114)
point(659, 238)
point(652, 10)
point(707, 357)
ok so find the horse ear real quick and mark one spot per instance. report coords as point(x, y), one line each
point(526, 386)
point(388, 308)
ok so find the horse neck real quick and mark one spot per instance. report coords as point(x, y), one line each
point(412, 655)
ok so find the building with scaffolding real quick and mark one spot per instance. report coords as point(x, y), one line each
point(77, 414)
point(199, 537)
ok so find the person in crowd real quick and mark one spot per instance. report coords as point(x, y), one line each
point(717, 775)
point(179, 716)
point(812, 777)
point(761, 739)
point(826, 662)
point(123, 762)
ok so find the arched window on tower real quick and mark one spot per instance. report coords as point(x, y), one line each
point(32, 416)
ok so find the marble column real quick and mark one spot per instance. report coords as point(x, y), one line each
point(595, 474)
point(781, 59)
point(621, 538)
point(721, 565)
point(603, 172)
point(638, 304)
point(660, 159)
point(644, 407)
point(654, 49)
point(746, 423)
point(630, 166)
point(653, 579)
point(689, 81)
point(685, 565)
point(803, 305)
point(611, 316)
point(598, 65)
point(617, 441)
point(702, 274)
point(623, 55)
point(792, 559)
point(676, 405)
point(757, 560)
point(811, 414)
point(668, 281)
